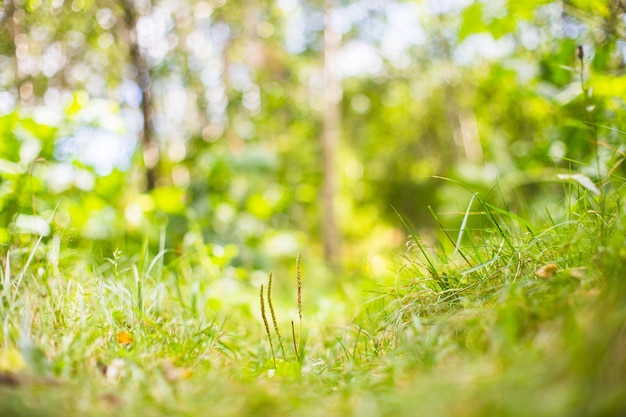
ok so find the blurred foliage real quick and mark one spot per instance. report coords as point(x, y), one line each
point(476, 91)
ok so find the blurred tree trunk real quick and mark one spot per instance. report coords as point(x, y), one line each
point(330, 137)
point(8, 21)
point(11, 21)
point(235, 143)
point(462, 122)
point(143, 80)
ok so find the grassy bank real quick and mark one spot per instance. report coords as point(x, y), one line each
point(506, 314)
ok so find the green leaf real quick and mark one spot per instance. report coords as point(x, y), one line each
point(472, 21)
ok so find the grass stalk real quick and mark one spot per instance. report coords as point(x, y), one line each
point(295, 344)
point(299, 284)
point(273, 314)
point(267, 326)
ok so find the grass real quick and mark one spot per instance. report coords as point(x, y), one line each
point(508, 315)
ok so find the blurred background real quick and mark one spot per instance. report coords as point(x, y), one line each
point(245, 132)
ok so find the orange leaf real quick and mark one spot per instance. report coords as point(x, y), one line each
point(124, 338)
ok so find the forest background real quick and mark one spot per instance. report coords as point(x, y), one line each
point(191, 147)
point(252, 131)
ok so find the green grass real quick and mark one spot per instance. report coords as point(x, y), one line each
point(473, 326)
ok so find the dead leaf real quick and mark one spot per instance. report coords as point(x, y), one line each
point(124, 338)
point(111, 400)
point(547, 271)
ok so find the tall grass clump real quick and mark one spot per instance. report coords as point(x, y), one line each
point(534, 302)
